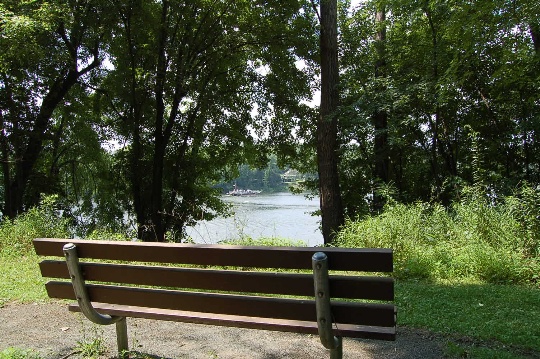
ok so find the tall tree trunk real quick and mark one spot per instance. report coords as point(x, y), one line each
point(160, 143)
point(380, 118)
point(435, 121)
point(68, 74)
point(533, 148)
point(135, 118)
point(25, 165)
point(327, 145)
point(535, 36)
point(4, 148)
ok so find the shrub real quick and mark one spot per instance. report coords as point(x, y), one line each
point(108, 235)
point(42, 221)
point(473, 239)
point(525, 208)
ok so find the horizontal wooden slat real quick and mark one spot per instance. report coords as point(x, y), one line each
point(345, 259)
point(294, 309)
point(353, 287)
point(344, 330)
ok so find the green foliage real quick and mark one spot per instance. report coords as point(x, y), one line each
point(92, 345)
point(525, 207)
point(53, 49)
point(490, 315)
point(267, 178)
point(460, 100)
point(472, 239)
point(108, 235)
point(269, 242)
point(20, 280)
point(42, 221)
point(186, 96)
point(17, 353)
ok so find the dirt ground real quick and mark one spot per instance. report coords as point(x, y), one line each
point(53, 331)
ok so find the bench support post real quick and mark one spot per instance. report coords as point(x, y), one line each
point(322, 304)
point(77, 279)
point(122, 338)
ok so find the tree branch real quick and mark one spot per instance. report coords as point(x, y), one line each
point(71, 49)
point(315, 10)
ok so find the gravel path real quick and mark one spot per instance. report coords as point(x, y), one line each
point(53, 331)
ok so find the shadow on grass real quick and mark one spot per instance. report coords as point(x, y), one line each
point(409, 344)
point(499, 316)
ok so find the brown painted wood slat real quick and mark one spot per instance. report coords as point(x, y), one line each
point(345, 259)
point(345, 330)
point(368, 314)
point(353, 287)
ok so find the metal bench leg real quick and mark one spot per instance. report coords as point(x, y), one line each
point(122, 338)
point(322, 304)
point(337, 352)
point(79, 287)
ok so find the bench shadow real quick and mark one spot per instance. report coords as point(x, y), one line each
point(410, 343)
point(140, 355)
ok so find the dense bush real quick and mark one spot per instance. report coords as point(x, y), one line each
point(477, 238)
point(42, 221)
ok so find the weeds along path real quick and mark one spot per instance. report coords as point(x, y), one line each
point(50, 329)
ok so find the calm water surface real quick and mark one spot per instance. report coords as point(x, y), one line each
point(282, 215)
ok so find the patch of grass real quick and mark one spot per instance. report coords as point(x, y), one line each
point(20, 280)
point(267, 242)
point(18, 353)
point(92, 345)
point(505, 314)
point(454, 350)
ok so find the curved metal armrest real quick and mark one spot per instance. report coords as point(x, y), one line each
point(77, 279)
point(322, 304)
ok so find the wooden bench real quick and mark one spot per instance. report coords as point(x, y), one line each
point(218, 285)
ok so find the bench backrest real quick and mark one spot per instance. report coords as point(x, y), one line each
point(230, 280)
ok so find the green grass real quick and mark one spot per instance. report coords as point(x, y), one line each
point(20, 280)
point(458, 350)
point(17, 353)
point(505, 316)
point(265, 241)
point(92, 345)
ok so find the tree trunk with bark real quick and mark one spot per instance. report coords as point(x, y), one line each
point(327, 125)
point(380, 118)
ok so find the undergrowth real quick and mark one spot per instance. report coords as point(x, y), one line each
point(92, 345)
point(18, 353)
point(476, 238)
point(265, 241)
point(43, 221)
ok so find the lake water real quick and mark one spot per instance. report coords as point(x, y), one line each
point(283, 215)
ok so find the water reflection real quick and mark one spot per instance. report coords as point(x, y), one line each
point(282, 215)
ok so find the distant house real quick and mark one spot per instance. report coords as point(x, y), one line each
point(291, 176)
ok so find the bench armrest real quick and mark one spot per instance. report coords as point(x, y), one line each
point(322, 304)
point(77, 279)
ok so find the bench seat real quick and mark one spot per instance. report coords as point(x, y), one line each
point(281, 325)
